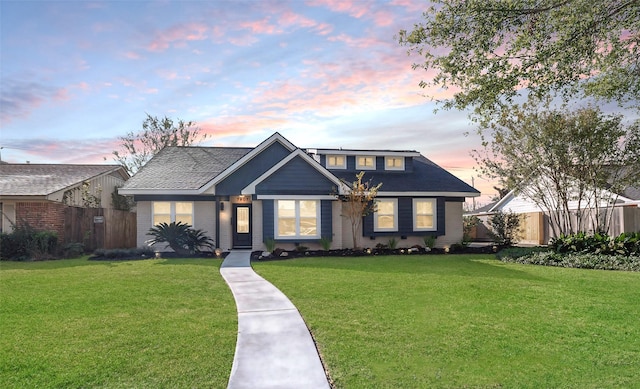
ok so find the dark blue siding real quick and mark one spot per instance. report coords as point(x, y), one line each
point(267, 220)
point(297, 178)
point(351, 162)
point(405, 216)
point(441, 216)
point(253, 169)
point(326, 216)
point(408, 164)
point(405, 220)
point(379, 164)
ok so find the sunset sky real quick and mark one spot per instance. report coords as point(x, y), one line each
point(76, 75)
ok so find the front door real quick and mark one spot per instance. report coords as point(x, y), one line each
point(241, 226)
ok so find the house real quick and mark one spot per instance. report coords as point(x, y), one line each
point(39, 193)
point(243, 197)
point(535, 225)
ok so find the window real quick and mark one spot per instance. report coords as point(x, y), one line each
point(365, 162)
point(172, 211)
point(386, 217)
point(297, 219)
point(394, 163)
point(336, 162)
point(424, 214)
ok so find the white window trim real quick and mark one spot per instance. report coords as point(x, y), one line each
point(344, 161)
point(415, 214)
point(395, 217)
point(172, 211)
point(387, 167)
point(297, 223)
point(361, 167)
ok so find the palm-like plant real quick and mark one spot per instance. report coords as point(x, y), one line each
point(181, 237)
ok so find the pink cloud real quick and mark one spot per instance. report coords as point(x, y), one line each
point(356, 42)
point(357, 9)
point(260, 27)
point(131, 55)
point(178, 35)
point(19, 98)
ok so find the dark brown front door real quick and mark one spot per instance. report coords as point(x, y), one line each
point(241, 225)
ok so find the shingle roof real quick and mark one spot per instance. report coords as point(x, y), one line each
point(425, 177)
point(185, 167)
point(44, 179)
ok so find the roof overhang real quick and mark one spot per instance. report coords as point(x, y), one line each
point(376, 153)
point(428, 194)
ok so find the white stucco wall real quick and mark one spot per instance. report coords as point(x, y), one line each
point(453, 225)
point(204, 217)
point(144, 220)
point(225, 227)
point(256, 226)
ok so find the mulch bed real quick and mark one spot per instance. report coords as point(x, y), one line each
point(279, 254)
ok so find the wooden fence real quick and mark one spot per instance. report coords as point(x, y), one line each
point(100, 228)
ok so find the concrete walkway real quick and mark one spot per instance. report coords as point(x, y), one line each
point(274, 348)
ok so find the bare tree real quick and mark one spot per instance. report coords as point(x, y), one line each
point(358, 202)
point(138, 148)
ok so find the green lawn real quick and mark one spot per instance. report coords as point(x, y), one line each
point(466, 321)
point(129, 324)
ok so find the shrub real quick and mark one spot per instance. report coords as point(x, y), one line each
point(392, 243)
point(581, 242)
point(504, 228)
point(140, 252)
point(270, 244)
point(73, 250)
point(429, 241)
point(325, 243)
point(181, 237)
point(581, 261)
point(26, 243)
point(512, 253)
point(468, 222)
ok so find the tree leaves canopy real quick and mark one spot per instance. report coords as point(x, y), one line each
point(137, 148)
point(562, 160)
point(486, 51)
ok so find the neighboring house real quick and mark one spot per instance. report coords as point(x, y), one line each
point(535, 221)
point(244, 196)
point(39, 193)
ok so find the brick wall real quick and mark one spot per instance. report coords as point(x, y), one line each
point(42, 215)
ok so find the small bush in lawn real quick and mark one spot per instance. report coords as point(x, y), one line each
point(518, 252)
point(133, 253)
point(73, 250)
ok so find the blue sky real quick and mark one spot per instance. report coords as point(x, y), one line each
point(76, 75)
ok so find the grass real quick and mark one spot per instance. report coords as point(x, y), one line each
point(168, 323)
point(466, 321)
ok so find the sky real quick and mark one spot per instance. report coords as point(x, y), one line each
point(76, 75)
